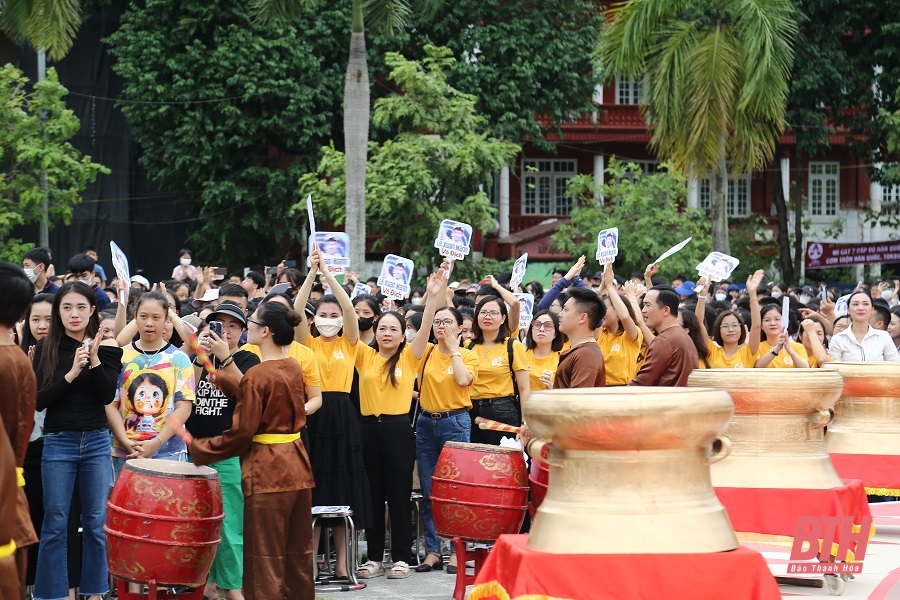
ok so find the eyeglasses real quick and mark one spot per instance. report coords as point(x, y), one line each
point(256, 323)
point(492, 314)
point(444, 322)
point(541, 325)
point(731, 326)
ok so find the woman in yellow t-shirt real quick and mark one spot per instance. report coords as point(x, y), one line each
point(387, 374)
point(446, 373)
point(334, 431)
point(777, 351)
point(493, 395)
point(620, 338)
point(731, 346)
point(812, 336)
point(544, 343)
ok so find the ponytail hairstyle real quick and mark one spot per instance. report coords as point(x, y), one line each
point(390, 365)
point(57, 332)
point(280, 321)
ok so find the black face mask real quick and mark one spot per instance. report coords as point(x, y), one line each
point(365, 324)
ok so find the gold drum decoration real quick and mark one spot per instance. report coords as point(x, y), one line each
point(867, 417)
point(777, 433)
point(629, 470)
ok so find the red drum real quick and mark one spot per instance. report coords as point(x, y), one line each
point(478, 492)
point(539, 479)
point(163, 521)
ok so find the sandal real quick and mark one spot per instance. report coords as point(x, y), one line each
point(425, 567)
point(400, 570)
point(369, 570)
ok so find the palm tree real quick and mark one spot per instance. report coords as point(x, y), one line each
point(389, 15)
point(48, 25)
point(715, 82)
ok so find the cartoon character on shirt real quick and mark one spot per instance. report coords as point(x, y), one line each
point(147, 394)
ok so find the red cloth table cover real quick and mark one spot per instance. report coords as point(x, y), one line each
point(880, 473)
point(512, 570)
point(775, 511)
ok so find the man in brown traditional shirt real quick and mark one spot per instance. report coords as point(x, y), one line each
point(672, 355)
point(581, 365)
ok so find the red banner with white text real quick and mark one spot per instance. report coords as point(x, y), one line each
point(826, 256)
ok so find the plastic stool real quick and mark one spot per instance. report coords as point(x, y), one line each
point(352, 583)
point(462, 557)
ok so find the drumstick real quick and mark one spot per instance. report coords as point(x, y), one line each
point(203, 356)
point(495, 425)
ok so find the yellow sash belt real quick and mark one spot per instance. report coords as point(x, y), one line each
point(20, 477)
point(276, 438)
point(8, 550)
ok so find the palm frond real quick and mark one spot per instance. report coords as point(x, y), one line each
point(387, 15)
point(279, 12)
point(14, 15)
point(714, 69)
point(429, 9)
point(53, 25)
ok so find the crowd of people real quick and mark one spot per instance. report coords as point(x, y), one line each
point(317, 398)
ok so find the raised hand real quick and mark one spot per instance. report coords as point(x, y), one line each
point(651, 270)
point(576, 268)
point(754, 281)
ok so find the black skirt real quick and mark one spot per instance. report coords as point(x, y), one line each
point(336, 454)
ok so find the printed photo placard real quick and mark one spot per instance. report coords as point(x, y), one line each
point(526, 309)
point(453, 239)
point(396, 273)
point(518, 272)
point(717, 266)
point(608, 245)
point(335, 247)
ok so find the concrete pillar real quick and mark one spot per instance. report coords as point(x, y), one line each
point(876, 196)
point(599, 166)
point(786, 178)
point(693, 193)
point(503, 202)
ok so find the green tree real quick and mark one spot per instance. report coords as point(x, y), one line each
point(389, 16)
point(230, 113)
point(434, 165)
point(715, 82)
point(35, 148)
point(647, 209)
point(50, 25)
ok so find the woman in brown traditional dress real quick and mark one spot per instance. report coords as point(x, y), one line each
point(276, 475)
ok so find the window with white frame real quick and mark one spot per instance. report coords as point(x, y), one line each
point(823, 188)
point(544, 189)
point(628, 90)
point(738, 203)
point(890, 200)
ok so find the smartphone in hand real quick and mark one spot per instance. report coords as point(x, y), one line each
point(216, 327)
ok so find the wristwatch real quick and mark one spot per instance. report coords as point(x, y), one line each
point(773, 352)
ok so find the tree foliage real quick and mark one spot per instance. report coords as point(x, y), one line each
point(520, 59)
point(434, 163)
point(237, 158)
point(48, 24)
point(34, 146)
point(649, 212)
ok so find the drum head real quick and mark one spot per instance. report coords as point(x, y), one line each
point(482, 448)
point(161, 467)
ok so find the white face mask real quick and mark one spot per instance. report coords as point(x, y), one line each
point(804, 299)
point(31, 275)
point(329, 327)
point(887, 295)
point(410, 334)
point(720, 296)
point(417, 300)
point(87, 282)
point(185, 262)
point(777, 295)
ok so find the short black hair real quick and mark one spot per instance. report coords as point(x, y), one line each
point(81, 263)
point(590, 303)
point(38, 256)
point(16, 293)
point(486, 290)
point(560, 272)
point(666, 296)
point(256, 277)
point(883, 312)
point(89, 249)
point(184, 251)
point(233, 290)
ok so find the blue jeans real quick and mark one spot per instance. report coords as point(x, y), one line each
point(431, 435)
point(67, 454)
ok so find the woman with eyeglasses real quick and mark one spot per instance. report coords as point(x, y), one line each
point(620, 338)
point(776, 350)
point(543, 343)
point(446, 374)
point(731, 346)
point(502, 370)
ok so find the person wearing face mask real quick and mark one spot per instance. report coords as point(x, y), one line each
point(807, 293)
point(413, 324)
point(185, 271)
point(35, 263)
point(778, 290)
point(82, 267)
point(367, 311)
point(416, 296)
point(335, 436)
point(721, 294)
